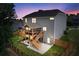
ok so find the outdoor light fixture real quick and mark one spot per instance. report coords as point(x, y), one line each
point(51, 18)
point(6, 18)
point(27, 28)
point(27, 35)
point(31, 37)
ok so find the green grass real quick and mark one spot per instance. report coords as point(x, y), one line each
point(22, 48)
point(72, 36)
point(65, 38)
point(55, 50)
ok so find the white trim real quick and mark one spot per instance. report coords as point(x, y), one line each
point(51, 18)
point(33, 20)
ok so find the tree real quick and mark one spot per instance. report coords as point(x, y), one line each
point(69, 20)
point(7, 14)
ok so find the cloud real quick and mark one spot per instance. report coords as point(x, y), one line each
point(23, 9)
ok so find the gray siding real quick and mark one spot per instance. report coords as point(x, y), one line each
point(55, 28)
point(59, 25)
point(43, 22)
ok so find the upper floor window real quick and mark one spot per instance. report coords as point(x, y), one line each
point(26, 20)
point(51, 18)
point(33, 20)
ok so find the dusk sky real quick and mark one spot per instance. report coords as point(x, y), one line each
point(23, 9)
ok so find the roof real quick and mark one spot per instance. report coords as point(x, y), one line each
point(44, 13)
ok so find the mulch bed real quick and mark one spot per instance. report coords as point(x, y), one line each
point(68, 46)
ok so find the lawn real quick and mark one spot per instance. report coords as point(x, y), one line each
point(55, 50)
point(21, 47)
point(72, 36)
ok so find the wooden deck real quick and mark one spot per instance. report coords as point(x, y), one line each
point(35, 40)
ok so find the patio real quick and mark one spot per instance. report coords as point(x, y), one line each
point(44, 48)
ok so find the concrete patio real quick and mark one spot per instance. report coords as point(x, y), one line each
point(44, 48)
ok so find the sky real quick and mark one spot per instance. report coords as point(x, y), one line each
point(23, 9)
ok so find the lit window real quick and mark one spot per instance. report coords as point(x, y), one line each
point(33, 20)
point(26, 20)
point(48, 40)
point(44, 28)
point(51, 18)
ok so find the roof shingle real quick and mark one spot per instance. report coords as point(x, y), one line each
point(44, 13)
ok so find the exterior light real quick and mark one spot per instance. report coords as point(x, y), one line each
point(31, 37)
point(51, 18)
point(6, 18)
point(27, 35)
point(27, 28)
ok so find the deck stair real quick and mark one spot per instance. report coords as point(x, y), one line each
point(35, 40)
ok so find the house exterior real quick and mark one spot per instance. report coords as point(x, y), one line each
point(17, 24)
point(51, 22)
point(75, 20)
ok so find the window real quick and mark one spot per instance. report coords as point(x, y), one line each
point(51, 18)
point(44, 28)
point(26, 20)
point(33, 20)
point(48, 40)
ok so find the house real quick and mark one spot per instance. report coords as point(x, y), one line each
point(52, 22)
point(48, 24)
point(75, 20)
point(16, 24)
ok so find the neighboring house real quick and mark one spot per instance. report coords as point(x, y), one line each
point(17, 24)
point(52, 22)
point(75, 21)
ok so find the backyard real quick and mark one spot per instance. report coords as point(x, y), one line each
point(21, 49)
